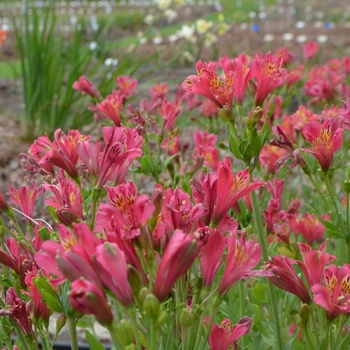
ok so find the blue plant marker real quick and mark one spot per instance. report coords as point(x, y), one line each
point(255, 27)
point(328, 25)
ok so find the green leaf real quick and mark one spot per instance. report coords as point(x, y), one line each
point(49, 294)
point(93, 342)
point(168, 161)
point(246, 150)
point(259, 292)
point(234, 147)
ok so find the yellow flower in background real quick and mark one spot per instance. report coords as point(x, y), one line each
point(163, 4)
point(210, 39)
point(203, 25)
point(223, 28)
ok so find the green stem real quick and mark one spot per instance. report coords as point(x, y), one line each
point(347, 211)
point(318, 191)
point(72, 327)
point(327, 333)
point(313, 320)
point(272, 295)
point(113, 332)
point(93, 215)
point(21, 338)
point(311, 344)
point(241, 298)
point(343, 319)
point(133, 318)
point(83, 198)
point(153, 344)
point(208, 330)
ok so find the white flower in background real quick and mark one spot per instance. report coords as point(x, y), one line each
point(188, 56)
point(203, 25)
point(173, 38)
point(322, 39)
point(170, 15)
point(149, 20)
point(269, 37)
point(179, 2)
point(163, 4)
point(187, 32)
point(143, 40)
point(301, 39)
point(108, 62)
point(288, 36)
point(93, 45)
point(210, 39)
point(157, 40)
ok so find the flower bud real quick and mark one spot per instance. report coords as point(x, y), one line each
point(151, 305)
point(44, 233)
point(162, 318)
point(304, 313)
point(68, 217)
point(5, 207)
point(187, 317)
point(60, 323)
point(252, 88)
point(143, 294)
point(130, 347)
point(135, 279)
point(226, 114)
point(217, 301)
point(346, 186)
point(125, 332)
point(158, 204)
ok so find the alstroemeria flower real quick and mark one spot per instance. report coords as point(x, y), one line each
point(285, 277)
point(334, 296)
point(112, 107)
point(84, 85)
point(127, 85)
point(177, 259)
point(223, 336)
point(242, 257)
point(230, 188)
point(325, 138)
point(314, 262)
point(269, 74)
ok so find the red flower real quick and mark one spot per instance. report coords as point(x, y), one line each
point(310, 49)
point(86, 87)
point(222, 337)
point(335, 295)
point(269, 74)
point(314, 262)
point(325, 138)
point(242, 257)
point(177, 259)
point(211, 256)
point(112, 107)
point(86, 298)
point(127, 85)
point(230, 188)
point(285, 277)
point(3, 36)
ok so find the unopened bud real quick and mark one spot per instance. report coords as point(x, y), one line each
point(256, 114)
point(134, 279)
point(44, 233)
point(304, 313)
point(143, 294)
point(68, 217)
point(162, 318)
point(346, 186)
point(217, 301)
point(125, 332)
point(151, 305)
point(187, 317)
point(130, 347)
point(252, 88)
point(226, 114)
point(271, 106)
point(60, 323)
point(96, 194)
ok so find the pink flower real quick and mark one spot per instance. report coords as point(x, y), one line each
point(314, 262)
point(287, 55)
point(205, 146)
point(208, 108)
point(308, 226)
point(17, 310)
point(171, 145)
point(310, 49)
point(269, 155)
point(211, 256)
point(334, 296)
point(127, 85)
point(242, 257)
point(179, 255)
point(111, 264)
point(25, 198)
point(325, 138)
point(169, 111)
point(112, 106)
point(269, 74)
point(241, 74)
point(86, 87)
point(230, 189)
point(125, 211)
point(86, 298)
point(285, 277)
point(223, 337)
point(207, 83)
